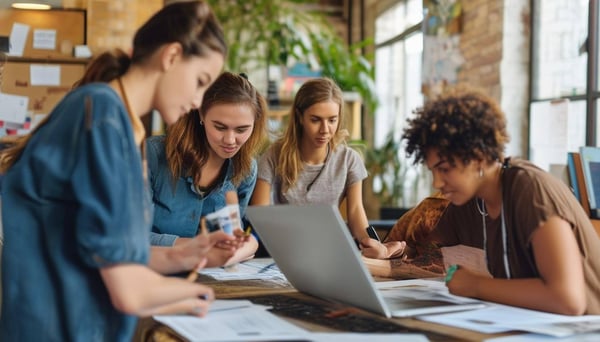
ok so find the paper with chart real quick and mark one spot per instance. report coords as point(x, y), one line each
point(261, 268)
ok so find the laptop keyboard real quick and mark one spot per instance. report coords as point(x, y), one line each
point(343, 320)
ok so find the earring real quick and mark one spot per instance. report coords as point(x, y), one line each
point(201, 122)
point(480, 172)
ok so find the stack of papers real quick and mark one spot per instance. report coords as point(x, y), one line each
point(240, 320)
point(498, 318)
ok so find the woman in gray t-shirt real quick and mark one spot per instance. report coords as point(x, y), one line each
point(311, 164)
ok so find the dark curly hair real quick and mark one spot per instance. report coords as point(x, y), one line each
point(462, 124)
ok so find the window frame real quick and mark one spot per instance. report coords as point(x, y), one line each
point(592, 91)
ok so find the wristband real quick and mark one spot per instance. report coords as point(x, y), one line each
point(450, 272)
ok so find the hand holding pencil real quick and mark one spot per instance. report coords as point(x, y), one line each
point(193, 275)
point(191, 252)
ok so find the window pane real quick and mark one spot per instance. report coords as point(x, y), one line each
point(397, 19)
point(564, 121)
point(398, 83)
point(559, 57)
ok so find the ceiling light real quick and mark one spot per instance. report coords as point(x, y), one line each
point(31, 5)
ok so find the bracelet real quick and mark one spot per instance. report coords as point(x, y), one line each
point(450, 272)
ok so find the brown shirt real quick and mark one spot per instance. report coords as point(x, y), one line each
point(530, 196)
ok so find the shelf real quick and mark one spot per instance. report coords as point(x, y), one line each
point(48, 59)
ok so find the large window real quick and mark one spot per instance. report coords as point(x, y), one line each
point(398, 61)
point(564, 66)
point(398, 55)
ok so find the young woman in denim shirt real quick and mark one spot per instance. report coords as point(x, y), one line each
point(77, 263)
point(203, 156)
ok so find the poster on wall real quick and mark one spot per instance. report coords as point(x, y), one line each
point(442, 59)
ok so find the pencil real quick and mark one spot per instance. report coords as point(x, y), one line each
point(248, 231)
point(193, 275)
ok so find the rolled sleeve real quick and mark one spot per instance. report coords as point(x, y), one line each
point(162, 239)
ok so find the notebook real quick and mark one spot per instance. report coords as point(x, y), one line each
point(313, 248)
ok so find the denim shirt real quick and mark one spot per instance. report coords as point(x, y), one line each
point(177, 211)
point(75, 201)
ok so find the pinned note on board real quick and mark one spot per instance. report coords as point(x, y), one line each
point(13, 108)
point(18, 37)
point(82, 51)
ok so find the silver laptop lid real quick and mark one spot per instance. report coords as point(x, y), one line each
point(312, 246)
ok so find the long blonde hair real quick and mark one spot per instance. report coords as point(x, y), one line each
point(186, 145)
point(288, 146)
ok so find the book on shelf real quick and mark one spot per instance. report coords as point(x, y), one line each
point(590, 161)
point(577, 179)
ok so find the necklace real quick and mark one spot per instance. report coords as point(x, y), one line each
point(131, 113)
point(125, 99)
point(320, 171)
point(484, 213)
point(481, 208)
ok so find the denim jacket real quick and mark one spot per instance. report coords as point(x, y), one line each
point(177, 211)
point(74, 202)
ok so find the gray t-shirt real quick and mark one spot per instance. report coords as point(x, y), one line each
point(343, 167)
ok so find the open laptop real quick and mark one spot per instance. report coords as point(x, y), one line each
point(313, 247)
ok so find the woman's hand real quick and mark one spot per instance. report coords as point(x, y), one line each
point(189, 252)
point(376, 250)
point(240, 238)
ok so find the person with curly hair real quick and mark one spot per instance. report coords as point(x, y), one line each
point(540, 247)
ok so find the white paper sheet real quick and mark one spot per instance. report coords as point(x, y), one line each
point(44, 39)
point(18, 38)
point(500, 318)
point(468, 257)
point(13, 108)
point(244, 324)
point(421, 289)
point(44, 75)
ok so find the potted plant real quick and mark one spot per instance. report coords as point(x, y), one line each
point(263, 33)
point(387, 177)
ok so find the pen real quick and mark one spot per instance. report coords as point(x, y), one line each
point(193, 275)
point(266, 268)
point(372, 233)
point(450, 272)
point(248, 231)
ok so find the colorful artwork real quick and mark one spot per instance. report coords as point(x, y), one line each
point(442, 59)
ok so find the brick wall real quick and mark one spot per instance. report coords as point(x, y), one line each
point(494, 43)
point(112, 23)
point(495, 46)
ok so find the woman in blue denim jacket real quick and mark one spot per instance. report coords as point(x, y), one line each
point(203, 156)
point(76, 262)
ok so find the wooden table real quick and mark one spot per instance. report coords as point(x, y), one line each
point(150, 330)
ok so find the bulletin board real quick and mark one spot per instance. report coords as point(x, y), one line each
point(70, 26)
point(17, 81)
point(67, 29)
